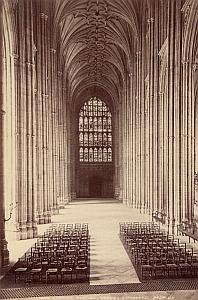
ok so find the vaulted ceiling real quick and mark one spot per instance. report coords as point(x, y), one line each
point(98, 39)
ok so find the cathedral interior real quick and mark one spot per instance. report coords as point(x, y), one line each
point(99, 139)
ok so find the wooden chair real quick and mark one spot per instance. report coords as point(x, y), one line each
point(67, 272)
point(146, 269)
point(81, 271)
point(20, 273)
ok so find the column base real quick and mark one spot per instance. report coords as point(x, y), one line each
point(69, 197)
point(44, 218)
point(35, 230)
point(27, 231)
point(47, 217)
point(73, 195)
point(40, 218)
point(62, 206)
point(120, 197)
point(117, 194)
point(55, 210)
point(4, 254)
point(66, 201)
point(63, 202)
point(173, 227)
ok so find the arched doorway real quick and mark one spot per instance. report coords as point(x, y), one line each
point(95, 187)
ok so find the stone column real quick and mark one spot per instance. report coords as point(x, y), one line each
point(138, 130)
point(25, 119)
point(160, 151)
point(151, 103)
point(45, 112)
point(72, 153)
point(65, 156)
point(39, 118)
point(124, 146)
point(60, 139)
point(195, 182)
point(134, 179)
point(155, 93)
point(184, 144)
point(171, 137)
point(45, 107)
point(68, 125)
point(39, 136)
point(120, 139)
point(31, 196)
point(130, 99)
point(49, 88)
point(146, 138)
point(116, 158)
point(177, 113)
point(65, 144)
point(127, 106)
point(190, 143)
point(4, 254)
point(30, 117)
point(54, 128)
point(43, 203)
point(21, 132)
point(142, 122)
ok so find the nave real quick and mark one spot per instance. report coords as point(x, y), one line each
point(103, 217)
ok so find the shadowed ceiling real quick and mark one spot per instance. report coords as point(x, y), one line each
point(98, 40)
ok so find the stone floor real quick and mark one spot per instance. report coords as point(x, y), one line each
point(168, 295)
point(109, 261)
point(110, 264)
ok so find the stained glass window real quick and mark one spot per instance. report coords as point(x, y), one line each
point(95, 132)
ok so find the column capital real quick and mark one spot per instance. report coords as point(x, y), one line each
point(14, 56)
point(138, 53)
point(185, 62)
point(150, 20)
point(195, 67)
point(44, 17)
point(29, 64)
point(45, 96)
point(171, 137)
point(60, 73)
point(53, 51)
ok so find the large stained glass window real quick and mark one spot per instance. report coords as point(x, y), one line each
point(95, 132)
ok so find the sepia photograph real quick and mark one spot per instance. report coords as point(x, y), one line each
point(99, 149)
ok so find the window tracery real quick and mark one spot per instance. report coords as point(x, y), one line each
point(95, 132)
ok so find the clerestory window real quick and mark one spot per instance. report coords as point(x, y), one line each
point(95, 132)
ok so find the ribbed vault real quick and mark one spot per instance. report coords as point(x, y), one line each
point(98, 39)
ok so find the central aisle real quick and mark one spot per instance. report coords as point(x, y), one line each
point(109, 261)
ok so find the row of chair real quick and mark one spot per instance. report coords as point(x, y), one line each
point(61, 254)
point(156, 254)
